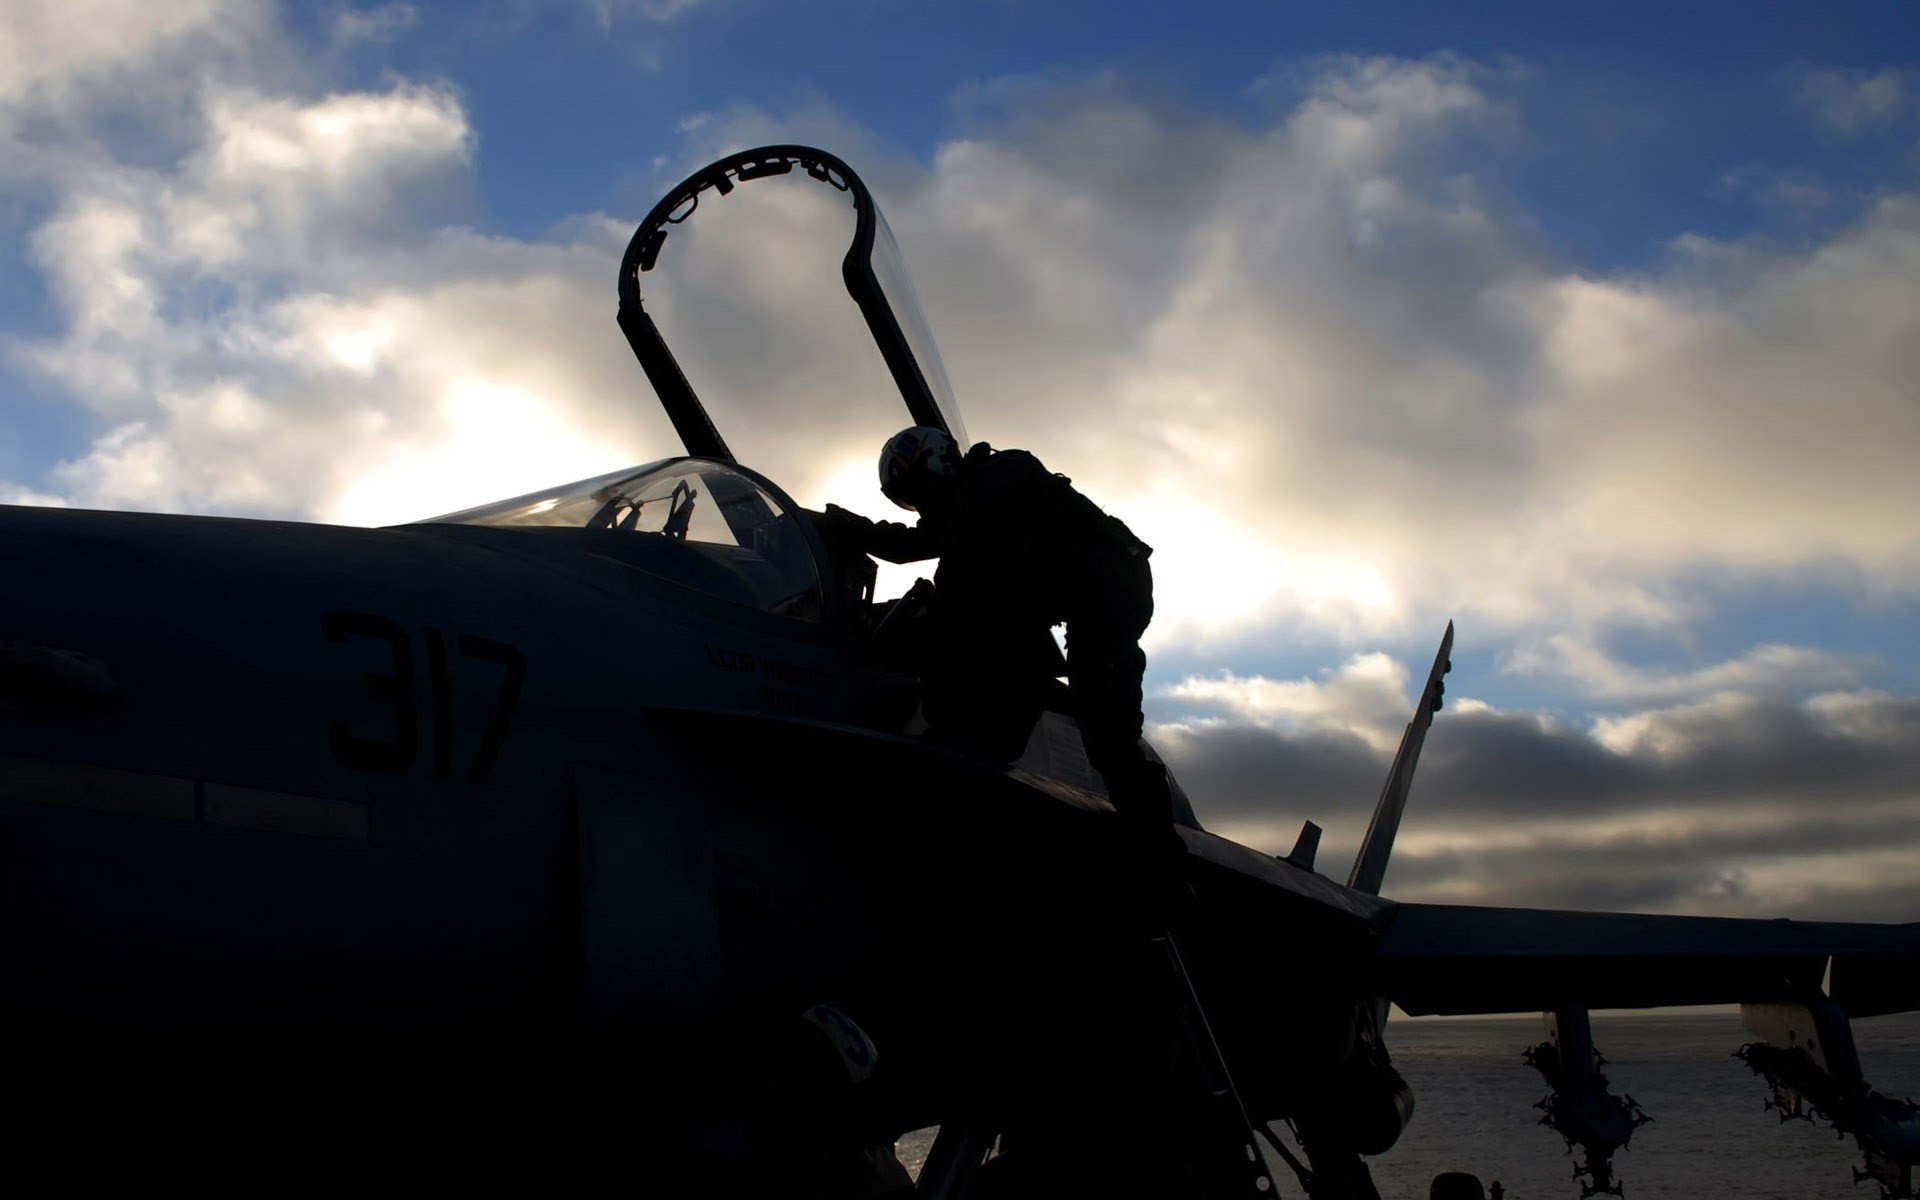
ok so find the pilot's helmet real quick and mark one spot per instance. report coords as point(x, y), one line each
point(916, 464)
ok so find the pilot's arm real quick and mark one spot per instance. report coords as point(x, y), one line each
point(891, 540)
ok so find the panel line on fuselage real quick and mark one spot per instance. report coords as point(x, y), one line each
point(169, 797)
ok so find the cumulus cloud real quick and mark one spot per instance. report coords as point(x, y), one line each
point(383, 23)
point(1854, 101)
point(1798, 196)
point(1770, 668)
point(1366, 697)
point(653, 10)
point(263, 333)
point(385, 402)
point(275, 323)
point(277, 187)
point(49, 51)
point(1305, 360)
point(10, 494)
point(1330, 386)
point(1751, 426)
point(1740, 804)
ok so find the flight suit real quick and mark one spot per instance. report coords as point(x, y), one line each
point(1021, 551)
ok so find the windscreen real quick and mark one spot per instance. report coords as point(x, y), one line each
point(703, 525)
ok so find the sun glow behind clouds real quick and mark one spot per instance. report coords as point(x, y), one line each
point(1208, 576)
point(1213, 578)
point(355, 340)
point(489, 442)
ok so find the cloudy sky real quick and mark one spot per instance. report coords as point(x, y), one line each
point(1595, 329)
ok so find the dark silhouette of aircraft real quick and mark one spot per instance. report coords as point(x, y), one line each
point(583, 835)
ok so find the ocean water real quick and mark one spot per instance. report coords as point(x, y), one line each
point(1709, 1136)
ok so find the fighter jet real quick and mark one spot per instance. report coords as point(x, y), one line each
point(590, 830)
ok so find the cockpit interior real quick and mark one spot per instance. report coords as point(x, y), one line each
point(711, 526)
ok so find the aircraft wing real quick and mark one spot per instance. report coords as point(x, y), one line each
point(1456, 959)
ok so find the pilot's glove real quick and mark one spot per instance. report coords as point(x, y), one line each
point(861, 528)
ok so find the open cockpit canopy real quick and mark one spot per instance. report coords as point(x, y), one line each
point(872, 270)
point(704, 521)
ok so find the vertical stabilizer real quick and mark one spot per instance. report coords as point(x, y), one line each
point(1307, 845)
point(1370, 866)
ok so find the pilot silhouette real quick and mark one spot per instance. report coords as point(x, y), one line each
point(1021, 551)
